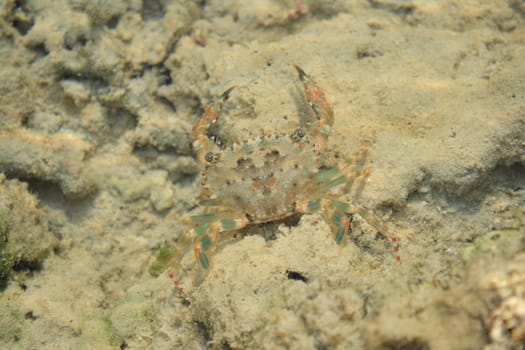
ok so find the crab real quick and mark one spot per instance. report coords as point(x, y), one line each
point(269, 178)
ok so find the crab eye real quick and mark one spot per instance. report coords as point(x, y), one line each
point(297, 134)
point(211, 157)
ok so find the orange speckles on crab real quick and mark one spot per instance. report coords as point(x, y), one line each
point(270, 177)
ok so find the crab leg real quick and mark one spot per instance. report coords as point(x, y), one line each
point(349, 177)
point(335, 213)
point(205, 244)
point(338, 214)
point(204, 238)
point(370, 218)
point(321, 108)
point(356, 172)
point(201, 143)
point(337, 218)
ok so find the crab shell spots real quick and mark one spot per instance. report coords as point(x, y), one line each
point(263, 177)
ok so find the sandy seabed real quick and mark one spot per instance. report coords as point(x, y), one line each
point(97, 102)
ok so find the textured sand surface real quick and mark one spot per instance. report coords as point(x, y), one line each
point(97, 102)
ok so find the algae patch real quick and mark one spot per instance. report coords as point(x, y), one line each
point(160, 264)
point(25, 239)
point(506, 242)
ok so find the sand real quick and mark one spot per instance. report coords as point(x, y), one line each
point(97, 102)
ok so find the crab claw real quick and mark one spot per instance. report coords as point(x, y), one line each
point(226, 94)
point(201, 143)
point(302, 75)
point(321, 108)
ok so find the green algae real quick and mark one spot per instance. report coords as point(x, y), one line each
point(164, 255)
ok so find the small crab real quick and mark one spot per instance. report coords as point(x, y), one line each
point(269, 178)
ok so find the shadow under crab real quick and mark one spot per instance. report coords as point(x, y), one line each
point(269, 178)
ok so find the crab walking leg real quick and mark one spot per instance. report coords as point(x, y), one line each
point(370, 218)
point(321, 108)
point(337, 215)
point(356, 183)
point(333, 212)
point(337, 219)
point(341, 180)
point(201, 143)
point(358, 159)
point(206, 243)
point(355, 172)
point(202, 223)
point(182, 246)
point(204, 238)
